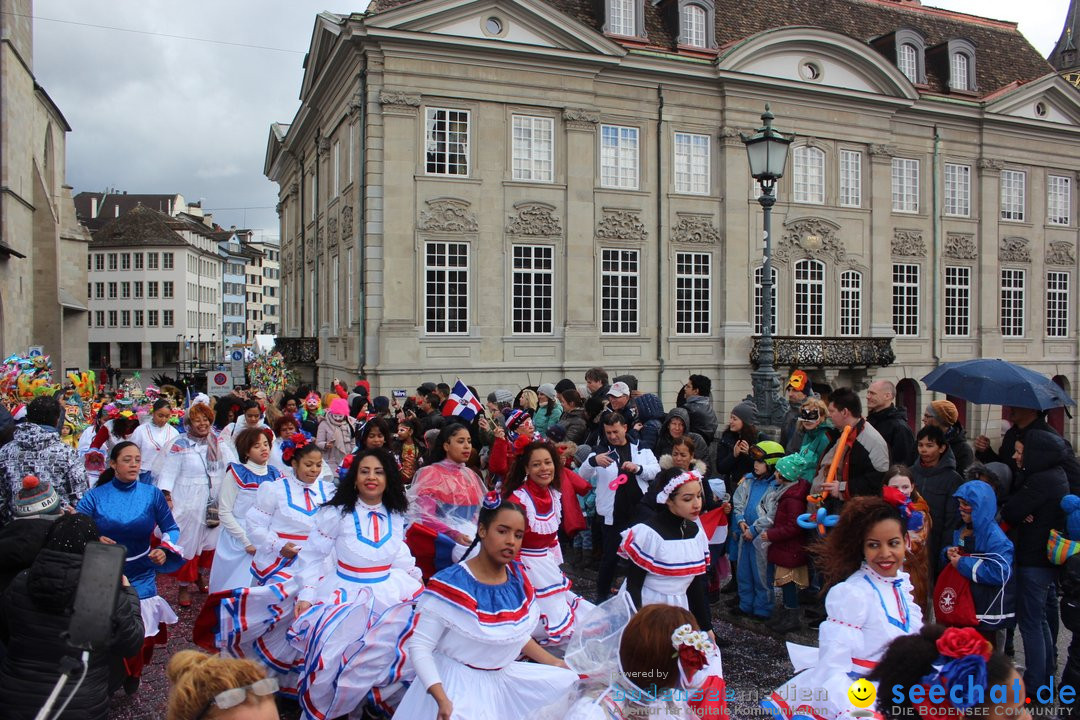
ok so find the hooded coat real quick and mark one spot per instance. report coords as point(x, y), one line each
point(664, 441)
point(891, 422)
point(962, 451)
point(787, 541)
point(38, 450)
point(989, 558)
point(576, 423)
point(1039, 490)
point(34, 612)
point(651, 416)
point(938, 485)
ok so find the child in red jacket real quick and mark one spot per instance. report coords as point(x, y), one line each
point(786, 540)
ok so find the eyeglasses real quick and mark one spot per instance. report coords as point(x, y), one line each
point(232, 697)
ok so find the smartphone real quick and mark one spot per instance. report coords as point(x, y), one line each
point(95, 598)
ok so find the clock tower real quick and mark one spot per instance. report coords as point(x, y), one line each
point(1066, 57)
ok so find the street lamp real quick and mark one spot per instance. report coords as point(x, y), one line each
point(179, 352)
point(767, 151)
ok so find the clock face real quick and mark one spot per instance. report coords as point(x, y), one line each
point(1072, 78)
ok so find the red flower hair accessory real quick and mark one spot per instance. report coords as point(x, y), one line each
point(693, 649)
point(293, 443)
point(345, 465)
point(961, 642)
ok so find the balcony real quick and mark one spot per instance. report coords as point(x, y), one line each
point(298, 350)
point(839, 352)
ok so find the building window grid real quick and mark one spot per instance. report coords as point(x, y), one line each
point(167, 289)
point(691, 163)
point(447, 141)
point(138, 261)
point(1058, 199)
point(808, 164)
point(619, 157)
point(957, 190)
point(125, 261)
point(166, 318)
point(138, 318)
point(112, 291)
point(533, 147)
point(905, 185)
point(99, 290)
point(1013, 283)
point(850, 178)
point(112, 261)
point(152, 261)
point(125, 290)
point(809, 298)
point(693, 25)
point(693, 293)
point(99, 262)
point(906, 300)
point(446, 288)
point(619, 286)
point(151, 318)
point(959, 72)
point(757, 300)
point(1057, 304)
point(621, 21)
point(125, 318)
point(1013, 190)
point(100, 316)
point(112, 318)
point(851, 303)
point(533, 283)
point(907, 62)
point(957, 301)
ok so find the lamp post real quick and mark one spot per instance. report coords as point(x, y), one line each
point(767, 151)
point(179, 352)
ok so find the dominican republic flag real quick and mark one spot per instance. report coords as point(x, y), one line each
point(462, 403)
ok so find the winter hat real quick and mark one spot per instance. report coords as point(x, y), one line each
point(746, 411)
point(36, 498)
point(798, 381)
point(789, 467)
point(564, 385)
point(514, 418)
point(556, 433)
point(767, 451)
point(426, 389)
point(619, 389)
point(339, 406)
point(201, 399)
point(502, 395)
point(71, 534)
point(547, 389)
point(381, 403)
point(582, 455)
point(944, 412)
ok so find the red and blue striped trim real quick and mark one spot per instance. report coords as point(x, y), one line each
point(373, 574)
point(275, 568)
point(464, 600)
point(657, 567)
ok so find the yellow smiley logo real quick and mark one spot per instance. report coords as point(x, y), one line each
point(862, 693)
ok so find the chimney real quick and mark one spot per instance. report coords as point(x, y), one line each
point(93, 207)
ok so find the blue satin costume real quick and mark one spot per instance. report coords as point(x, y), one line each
point(128, 512)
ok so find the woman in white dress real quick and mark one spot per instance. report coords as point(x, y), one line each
point(250, 416)
point(474, 620)
point(154, 436)
point(529, 485)
point(187, 471)
point(241, 481)
point(359, 583)
point(869, 604)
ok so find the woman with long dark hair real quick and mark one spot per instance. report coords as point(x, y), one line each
point(359, 581)
point(474, 620)
point(127, 512)
point(869, 604)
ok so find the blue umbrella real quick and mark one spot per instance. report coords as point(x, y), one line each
point(988, 381)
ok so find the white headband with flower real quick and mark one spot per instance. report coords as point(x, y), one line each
point(674, 484)
point(694, 651)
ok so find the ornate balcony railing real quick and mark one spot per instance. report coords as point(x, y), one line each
point(298, 350)
point(828, 351)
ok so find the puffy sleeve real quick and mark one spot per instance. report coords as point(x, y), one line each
point(229, 490)
point(318, 556)
point(259, 517)
point(421, 647)
point(841, 635)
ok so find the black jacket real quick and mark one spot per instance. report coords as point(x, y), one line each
point(729, 466)
point(20, 543)
point(962, 451)
point(937, 485)
point(1008, 444)
point(576, 424)
point(34, 612)
point(1038, 493)
point(891, 423)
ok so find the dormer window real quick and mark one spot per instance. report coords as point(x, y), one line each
point(692, 23)
point(961, 65)
point(905, 60)
point(911, 54)
point(621, 17)
point(958, 73)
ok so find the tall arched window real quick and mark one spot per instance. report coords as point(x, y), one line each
point(907, 61)
point(810, 298)
point(693, 25)
point(809, 167)
point(958, 75)
point(851, 303)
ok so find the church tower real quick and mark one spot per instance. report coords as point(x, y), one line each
point(1065, 57)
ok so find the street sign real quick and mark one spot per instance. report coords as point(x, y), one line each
point(236, 361)
point(218, 383)
point(36, 350)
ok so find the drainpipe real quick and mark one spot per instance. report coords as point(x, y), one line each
point(361, 222)
point(935, 249)
point(660, 194)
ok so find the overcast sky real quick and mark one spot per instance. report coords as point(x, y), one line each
point(159, 114)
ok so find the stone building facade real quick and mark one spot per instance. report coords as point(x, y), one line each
point(526, 189)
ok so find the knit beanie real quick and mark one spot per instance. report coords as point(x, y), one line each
point(514, 418)
point(71, 534)
point(564, 385)
point(582, 454)
point(502, 395)
point(36, 498)
point(746, 411)
point(556, 433)
point(547, 389)
point(944, 412)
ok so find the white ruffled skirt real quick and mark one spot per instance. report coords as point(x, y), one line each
point(155, 610)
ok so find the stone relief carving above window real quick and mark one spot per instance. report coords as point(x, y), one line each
point(908, 243)
point(534, 219)
point(346, 222)
point(991, 164)
point(580, 118)
point(1014, 249)
point(811, 237)
point(331, 230)
point(621, 225)
point(961, 247)
point(448, 215)
point(1060, 253)
point(695, 229)
point(399, 98)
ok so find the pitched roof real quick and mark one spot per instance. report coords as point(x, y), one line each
point(111, 205)
point(138, 227)
point(1003, 54)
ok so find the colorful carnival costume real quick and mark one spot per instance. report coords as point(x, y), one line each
point(541, 557)
point(188, 469)
point(232, 564)
point(361, 580)
point(444, 504)
point(468, 637)
point(128, 513)
point(283, 513)
point(865, 613)
point(151, 440)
